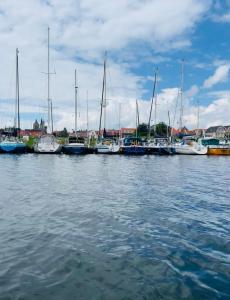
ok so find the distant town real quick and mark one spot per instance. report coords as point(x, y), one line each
point(39, 128)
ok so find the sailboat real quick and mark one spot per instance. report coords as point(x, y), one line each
point(105, 145)
point(189, 147)
point(75, 145)
point(47, 143)
point(133, 145)
point(158, 146)
point(14, 144)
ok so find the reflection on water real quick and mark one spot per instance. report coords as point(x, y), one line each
point(111, 227)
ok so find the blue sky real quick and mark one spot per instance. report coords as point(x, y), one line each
point(139, 36)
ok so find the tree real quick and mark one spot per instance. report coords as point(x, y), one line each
point(142, 129)
point(162, 130)
point(64, 133)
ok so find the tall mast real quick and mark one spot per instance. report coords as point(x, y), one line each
point(168, 127)
point(102, 97)
point(48, 77)
point(51, 115)
point(17, 111)
point(105, 101)
point(155, 115)
point(137, 118)
point(119, 120)
point(87, 112)
point(151, 107)
point(198, 114)
point(181, 96)
point(75, 102)
point(16, 91)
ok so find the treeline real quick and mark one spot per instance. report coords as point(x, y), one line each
point(158, 130)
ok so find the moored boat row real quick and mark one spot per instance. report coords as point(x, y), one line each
point(133, 145)
point(48, 144)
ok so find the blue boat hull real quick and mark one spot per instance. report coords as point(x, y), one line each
point(12, 148)
point(76, 150)
point(159, 150)
point(133, 150)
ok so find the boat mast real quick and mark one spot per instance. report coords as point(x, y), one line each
point(151, 107)
point(87, 117)
point(181, 95)
point(137, 118)
point(17, 111)
point(48, 79)
point(105, 101)
point(51, 114)
point(155, 115)
point(198, 114)
point(75, 102)
point(102, 98)
point(119, 120)
point(168, 127)
point(87, 112)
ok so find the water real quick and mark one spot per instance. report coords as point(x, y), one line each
point(111, 227)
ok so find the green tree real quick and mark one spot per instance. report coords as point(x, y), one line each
point(142, 129)
point(162, 129)
point(64, 133)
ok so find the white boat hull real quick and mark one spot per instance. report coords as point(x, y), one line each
point(47, 145)
point(190, 150)
point(107, 149)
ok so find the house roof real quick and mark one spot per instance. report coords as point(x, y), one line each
point(213, 129)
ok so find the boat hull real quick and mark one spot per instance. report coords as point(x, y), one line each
point(158, 150)
point(189, 150)
point(15, 148)
point(53, 150)
point(133, 150)
point(107, 149)
point(47, 144)
point(219, 151)
point(75, 150)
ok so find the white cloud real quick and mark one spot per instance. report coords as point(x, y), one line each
point(194, 89)
point(220, 75)
point(81, 30)
point(222, 18)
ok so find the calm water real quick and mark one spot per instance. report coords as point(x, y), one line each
point(110, 227)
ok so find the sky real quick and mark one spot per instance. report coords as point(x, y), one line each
point(139, 36)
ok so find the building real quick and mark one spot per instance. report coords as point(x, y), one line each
point(115, 133)
point(36, 125)
point(42, 125)
point(31, 132)
point(127, 131)
point(218, 131)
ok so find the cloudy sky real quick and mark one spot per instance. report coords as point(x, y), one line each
point(138, 35)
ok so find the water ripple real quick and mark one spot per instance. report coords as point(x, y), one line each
point(102, 227)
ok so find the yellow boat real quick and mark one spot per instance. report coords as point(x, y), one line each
point(221, 150)
point(215, 147)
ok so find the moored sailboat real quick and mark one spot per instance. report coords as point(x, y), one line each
point(13, 144)
point(190, 148)
point(157, 146)
point(214, 147)
point(75, 144)
point(47, 143)
point(105, 146)
point(132, 146)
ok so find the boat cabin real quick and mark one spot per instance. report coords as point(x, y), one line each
point(132, 141)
